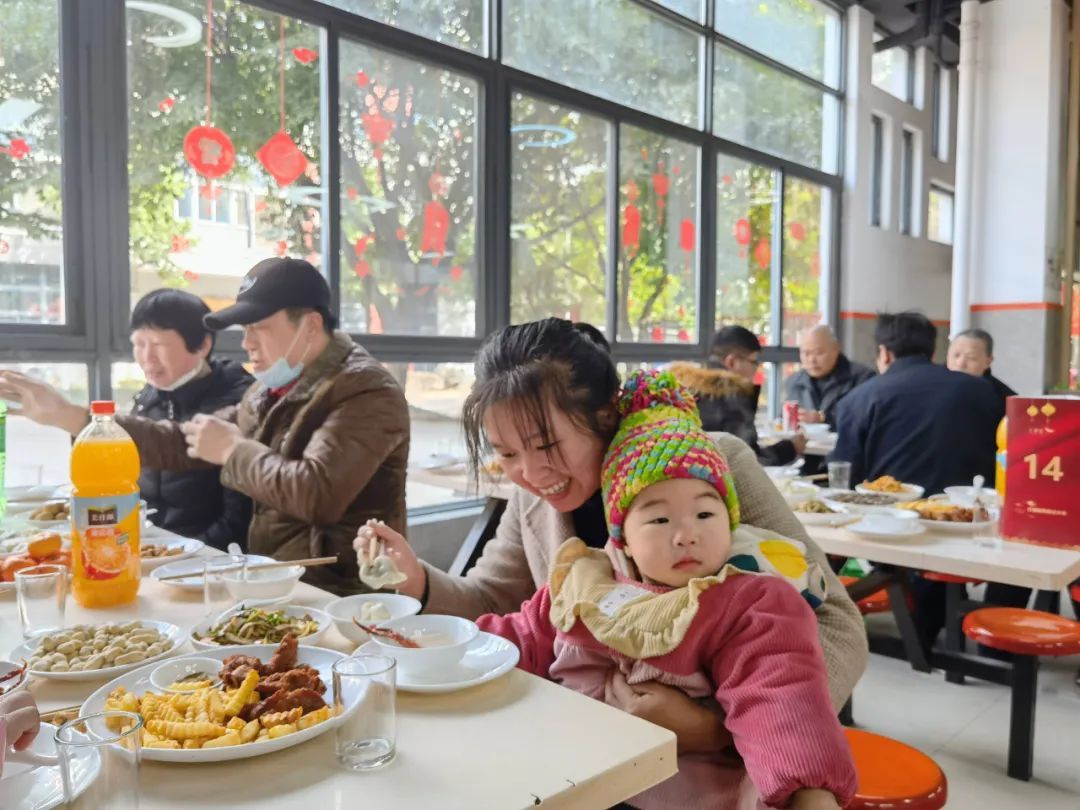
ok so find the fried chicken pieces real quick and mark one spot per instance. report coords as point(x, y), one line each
point(283, 683)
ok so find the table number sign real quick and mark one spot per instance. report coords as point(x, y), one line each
point(1042, 477)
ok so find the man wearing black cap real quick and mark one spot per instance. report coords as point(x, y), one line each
point(319, 443)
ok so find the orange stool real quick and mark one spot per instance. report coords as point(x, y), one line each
point(1074, 591)
point(874, 603)
point(1027, 634)
point(935, 576)
point(894, 775)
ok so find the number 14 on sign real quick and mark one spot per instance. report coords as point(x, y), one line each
point(1052, 470)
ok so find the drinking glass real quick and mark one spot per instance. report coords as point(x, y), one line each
point(42, 595)
point(216, 596)
point(839, 475)
point(365, 688)
point(111, 741)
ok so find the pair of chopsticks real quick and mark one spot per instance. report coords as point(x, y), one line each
point(310, 562)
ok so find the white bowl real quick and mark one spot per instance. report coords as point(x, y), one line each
point(965, 496)
point(170, 672)
point(815, 430)
point(273, 583)
point(458, 632)
point(344, 609)
point(886, 526)
point(15, 685)
point(795, 491)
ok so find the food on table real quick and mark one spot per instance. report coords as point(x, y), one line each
point(374, 612)
point(57, 510)
point(154, 551)
point(814, 507)
point(885, 483)
point(379, 570)
point(391, 635)
point(42, 548)
point(260, 702)
point(860, 499)
point(10, 681)
point(494, 468)
point(61, 716)
point(941, 511)
point(258, 626)
point(87, 647)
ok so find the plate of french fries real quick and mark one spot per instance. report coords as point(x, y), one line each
point(268, 699)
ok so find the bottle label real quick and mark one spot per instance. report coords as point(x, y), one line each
point(105, 526)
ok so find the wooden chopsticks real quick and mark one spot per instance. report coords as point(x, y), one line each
point(310, 562)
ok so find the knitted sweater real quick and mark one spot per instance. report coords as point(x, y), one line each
point(747, 641)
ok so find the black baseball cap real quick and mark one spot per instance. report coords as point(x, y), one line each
point(270, 286)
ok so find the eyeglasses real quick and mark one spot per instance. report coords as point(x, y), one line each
point(743, 358)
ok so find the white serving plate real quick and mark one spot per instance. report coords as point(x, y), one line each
point(138, 682)
point(911, 492)
point(823, 519)
point(487, 657)
point(881, 527)
point(312, 640)
point(194, 566)
point(189, 549)
point(957, 527)
point(864, 509)
point(171, 631)
point(27, 786)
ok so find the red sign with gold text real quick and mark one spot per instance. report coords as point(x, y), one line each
point(1042, 474)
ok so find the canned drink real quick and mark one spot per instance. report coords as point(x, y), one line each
point(791, 416)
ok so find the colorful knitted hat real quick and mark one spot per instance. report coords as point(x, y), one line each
point(660, 437)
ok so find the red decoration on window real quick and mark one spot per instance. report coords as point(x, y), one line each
point(762, 253)
point(5, 247)
point(422, 290)
point(282, 248)
point(815, 266)
point(437, 185)
point(309, 241)
point(661, 184)
point(166, 104)
point(684, 336)
point(676, 170)
point(362, 79)
point(209, 151)
point(305, 56)
point(362, 269)
point(191, 275)
point(456, 273)
point(742, 232)
point(282, 158)
point(352, 193)
point(686, 235)
point(681, 312)
point(17, 148)
point(361, 245)
point(400, 233)
point(179, 243)
point(727, 179)
point(378, 128)
point(797, 231)
point(208, 191)
point(632, 191)
point(657, 334)
point(644, 153)
point(631, 235)
point(374, 320)
point(436, 226)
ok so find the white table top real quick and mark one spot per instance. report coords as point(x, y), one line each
point(980, 557)
point(505, 744)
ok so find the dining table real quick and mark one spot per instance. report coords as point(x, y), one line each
point(515, 742)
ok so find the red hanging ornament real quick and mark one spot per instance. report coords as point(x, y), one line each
point(763, 253)
point(422, 290)
point(179, 243)
point(361, 245)
point(362, 79)
point(644, 153)
point(352, 193)
point(17, 148)
point(661, 184)
point(166, 104)
point(797, 231)
point(631, 235)
point(436, 226)
point(362, 269)
point(727, 179)
point(657, 334)
point(687, 239)
point(305, 56)
point(208, 191)
point(377, 126)
point(191, 275)
point(456, 273)
point(282, 158)
point(437, 185)
point(400, 233)
point(684, 336)
point(5, 247)
point(681, 312)
point(281, 248)
point(742, 232)
point(632, 191)
point(209, 151)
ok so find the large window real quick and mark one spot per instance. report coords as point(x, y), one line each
point(31, 245)
point(807, 249)
point(939, 215)
point(890, 70)
point(455, 22)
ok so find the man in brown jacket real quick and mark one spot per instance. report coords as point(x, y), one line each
point(319, 443)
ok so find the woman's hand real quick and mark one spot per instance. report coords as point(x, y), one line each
point(397, 548)
point(19, 722)
point(41, 403)
point(699, 730)
point(813, 799)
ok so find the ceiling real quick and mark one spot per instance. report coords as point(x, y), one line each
point(933, 23)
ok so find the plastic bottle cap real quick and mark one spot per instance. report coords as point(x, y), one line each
point(103, 408)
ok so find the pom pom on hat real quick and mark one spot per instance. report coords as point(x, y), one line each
point(660, 438)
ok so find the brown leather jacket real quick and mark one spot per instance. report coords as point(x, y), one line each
point(318, 463)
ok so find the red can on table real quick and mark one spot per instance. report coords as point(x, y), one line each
point(791, 416)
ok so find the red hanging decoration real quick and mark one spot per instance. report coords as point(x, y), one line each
point(191, 275)
point(661, 184)
point(282, 158)
point(261, 206)
point(378, 128)
point(676, 170)
point(684, 336)
point(362, 79)
point(632, 191)
point(763, 253)
point(282, 248)
point(5, 247)
point(456, 273)
point(400, 233)
point(727, 179)
point(305, 56)
point(436, 226)
point(208, 191)
point(742, 232)
point(17, 148)
point(437, 185)
point(657, 334)
point(362, 269)
point(374, 320)
point(352, 193)
point(166, 104)
point(681, 312)
point(797, 231)
point(631, 235)
point(422, 290)
point(361, 245)
point(687, 239)
point(815, 266)
point(312, 259)
point(209, 150)
point(179, 243)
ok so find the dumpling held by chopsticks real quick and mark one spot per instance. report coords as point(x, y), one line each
point(379, 571)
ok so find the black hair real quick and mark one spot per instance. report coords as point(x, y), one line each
point(979, 334)
point(906, 334)
point(177, 310)
point(329, 321)
point(730, 339)
point(554, 361)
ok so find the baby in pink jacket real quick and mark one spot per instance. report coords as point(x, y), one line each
point(685, 596)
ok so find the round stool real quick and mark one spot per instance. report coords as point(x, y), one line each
point(935, 576)
point(1023, 632)
point(1074, 591)
point(894, 775)
point(874, 603)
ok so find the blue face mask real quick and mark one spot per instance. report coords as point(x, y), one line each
point(280, 372)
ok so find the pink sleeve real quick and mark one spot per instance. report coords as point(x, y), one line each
point(530, 629)
point(770, 680)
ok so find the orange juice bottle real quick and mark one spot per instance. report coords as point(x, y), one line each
point(104, 512)
point(1001, 459)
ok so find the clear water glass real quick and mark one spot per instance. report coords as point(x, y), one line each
point(111, 741)
point(42, 597)
point(216, 596)
point(365, 692)
point(839, 475)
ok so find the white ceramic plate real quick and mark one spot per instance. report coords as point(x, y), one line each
point(188, 548)
point(861, 509)
point(194, 567)
point(49, 525)
point(823, 519)
point(885, 528)
point(488, 657)
point(138, 682)
point(956, 526)
point(312, 640)
point(171, 631)
point(910, 492)
point(37, 787)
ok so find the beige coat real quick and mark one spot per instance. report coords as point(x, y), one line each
point(516, 561)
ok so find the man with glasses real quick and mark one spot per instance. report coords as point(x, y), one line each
point(727, 393)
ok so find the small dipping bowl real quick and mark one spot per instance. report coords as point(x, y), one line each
point(164, 676)
point(345, 609)
point(455, 633)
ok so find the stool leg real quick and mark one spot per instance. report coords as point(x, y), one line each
point(1025, 687)
point(955, 593)
point(847, 716)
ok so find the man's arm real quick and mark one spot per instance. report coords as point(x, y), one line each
point(161, 442)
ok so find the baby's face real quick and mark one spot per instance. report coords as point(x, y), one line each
point(678, 530)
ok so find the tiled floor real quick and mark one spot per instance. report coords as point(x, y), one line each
point(965, 729)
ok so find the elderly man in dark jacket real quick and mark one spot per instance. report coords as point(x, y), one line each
point(172, 347)
point(826, 376)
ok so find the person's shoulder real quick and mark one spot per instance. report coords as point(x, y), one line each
point(860, 372)
point(231, 374)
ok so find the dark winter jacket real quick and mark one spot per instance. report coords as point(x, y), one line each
point(826, 392)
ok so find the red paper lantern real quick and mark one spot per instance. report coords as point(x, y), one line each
point(657, 334)
point(261, 206)
point(631, 235)
point(191, 275)
point(436, 226)
point(727, 179)
point(166, 104)
point(742, 232)
point(686, 235)
point(797, 231)
point(179, 243)
point(661, 184)
point(400, 233)
point(17, 148)
point(456, 273)
point(362, 269)
point(282, 248)
point(304, 56)
point(362, 79)
point(209, 151)
point(282, 158)
point(209, 192)
point(377, 126)
point(684, 336)
point(437, 185)
point(763, 253)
